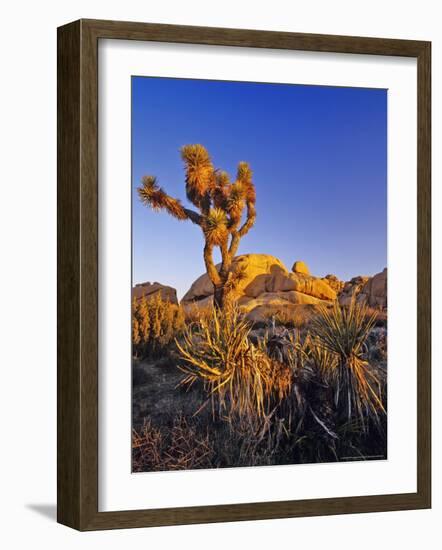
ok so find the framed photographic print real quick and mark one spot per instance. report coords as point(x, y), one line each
point(243, 275)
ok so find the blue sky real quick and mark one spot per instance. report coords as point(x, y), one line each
point(319, 157)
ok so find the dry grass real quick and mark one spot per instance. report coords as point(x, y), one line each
point(182, 447)
point(195, 313)
point(298, 317)
point(277, 396)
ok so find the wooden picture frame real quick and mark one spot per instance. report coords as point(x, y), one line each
point(78, 274)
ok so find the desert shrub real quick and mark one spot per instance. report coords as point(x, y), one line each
point(297, 317)
point(377, 345)
point(276, 396)
point(155, 325)
point(241, 380)
point(339, 337)
point(379, 314)
point(195, 313)
point(182, 447)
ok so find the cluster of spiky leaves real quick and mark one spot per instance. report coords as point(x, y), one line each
point(151, 194)
point(341, 334)
point(215, 226)
point(221, 204)
point(210, 190)
point(241, 379)
point(199, 174)
point(315, 386)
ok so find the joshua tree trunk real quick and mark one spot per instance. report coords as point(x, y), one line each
point(219, 297)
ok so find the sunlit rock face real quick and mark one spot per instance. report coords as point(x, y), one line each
point(265, 285)
point(300, 267)
point(369, 290)
point(149, 290)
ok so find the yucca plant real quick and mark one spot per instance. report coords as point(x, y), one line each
point(221, 204)
point(241, 379)
point(340, 336)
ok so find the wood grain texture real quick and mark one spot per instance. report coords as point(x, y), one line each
point(68, 276)
point(424, 274)
point(78, 274)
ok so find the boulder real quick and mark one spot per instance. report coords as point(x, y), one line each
point(307, 284)
point(278, 299)
point(254, 269)
point(336, 284)
point(190, 307)
point(300, 267)
point(353, 286)
point(265, 287)
point(149, 290)
point(375, 290)
point(262, 274)
point(369, 290)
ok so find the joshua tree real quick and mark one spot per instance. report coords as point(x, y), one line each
point(221, 205)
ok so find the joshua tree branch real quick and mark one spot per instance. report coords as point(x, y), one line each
point(153, 195)
point(234, 243)
point(251, 217)
point(193, 216)
point(226, 259)
point(210, 266)
point(247, 225)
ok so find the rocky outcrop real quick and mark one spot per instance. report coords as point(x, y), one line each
point(353, 286)
point(300, 267)
point(305, 284)
point(369, 290)
point(375, 290)
point(254, 269)
point(149, 290)
point(336, 284)
point(265, 285)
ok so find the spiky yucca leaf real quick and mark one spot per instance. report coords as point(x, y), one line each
point(236, 201)
point(219, 190)
point(244, 175)
point(222, 178)
point(152, 195)
point(199, 172)
point(342, 332)
point(215, 226)
point(239, 376)
point(244, 172)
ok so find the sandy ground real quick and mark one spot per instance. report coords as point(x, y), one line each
point(156, 395)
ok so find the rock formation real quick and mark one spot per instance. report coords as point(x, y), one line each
point(152, 289)
point(336, 284)
point(369, 290)
point(265, 285)
point(300, 267)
